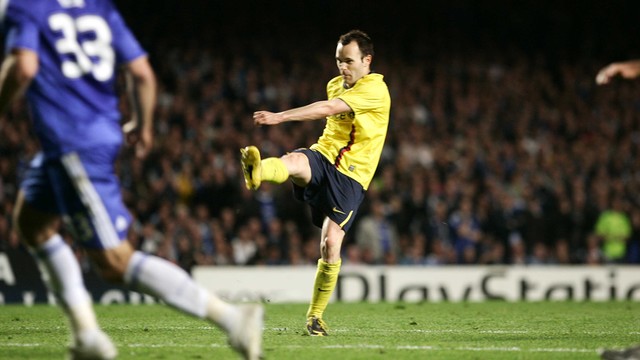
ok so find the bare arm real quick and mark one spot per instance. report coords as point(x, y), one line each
point(627, 69)
point(141, 91)
point(314, 111)
point(16, 73)
point(132, 98)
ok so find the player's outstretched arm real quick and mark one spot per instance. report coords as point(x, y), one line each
point(141, 88)
point(315, 111)
point(627, 69)
point(16, 73)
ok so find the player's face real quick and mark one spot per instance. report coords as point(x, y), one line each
point(351, 64)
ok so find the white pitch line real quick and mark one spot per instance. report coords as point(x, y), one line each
point(458, 331)
point(344, 330)
point(562, 350)
point(357, 346)
point(337, 346)
point(20, 345)
point(426, 331)
point(438, 348)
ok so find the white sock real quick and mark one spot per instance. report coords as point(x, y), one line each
point(61, 272)
point(167, 281)
point(222, 313)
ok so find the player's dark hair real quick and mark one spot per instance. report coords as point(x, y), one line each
point(364, 41)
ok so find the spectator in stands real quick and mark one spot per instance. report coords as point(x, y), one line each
point(376, 235)
point(614, 229)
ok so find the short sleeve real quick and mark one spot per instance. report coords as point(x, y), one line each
point(21, 31)
point(125, 44)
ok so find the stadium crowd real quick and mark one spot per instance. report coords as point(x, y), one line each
point(494, 156)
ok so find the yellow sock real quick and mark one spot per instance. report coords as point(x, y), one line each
point(274, 170)
point(326, 279)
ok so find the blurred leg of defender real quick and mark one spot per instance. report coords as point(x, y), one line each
point(118, 262)
point(37, 222)
point(101, 221)
point(167, 281)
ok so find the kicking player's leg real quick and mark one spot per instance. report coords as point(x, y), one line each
point(275, 170)
point(326, 276)
point(61, 272)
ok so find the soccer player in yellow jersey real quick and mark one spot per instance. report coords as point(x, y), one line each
point(332, 174)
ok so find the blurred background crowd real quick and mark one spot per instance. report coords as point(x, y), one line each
point(501, 148)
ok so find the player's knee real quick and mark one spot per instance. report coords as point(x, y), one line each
point(112, 263)
point(111, 272)
point(32, 228)
point(298, 166)
point(332, 243)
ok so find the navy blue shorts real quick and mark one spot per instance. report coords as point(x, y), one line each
point(83, 188)
point(330, 193)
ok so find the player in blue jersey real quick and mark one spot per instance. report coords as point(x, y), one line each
point(64, 56)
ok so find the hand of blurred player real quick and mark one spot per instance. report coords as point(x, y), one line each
point(142, 139)
point(266, 118)
point(145, 143)
point(130, 125)
point(628, 70)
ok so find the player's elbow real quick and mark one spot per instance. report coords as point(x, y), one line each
point(141, 71)
point(146, 77)
point(335, 106)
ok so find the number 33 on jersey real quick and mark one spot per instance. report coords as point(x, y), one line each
point(79, 44)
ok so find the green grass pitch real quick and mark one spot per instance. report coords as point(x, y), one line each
point(489, 330)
